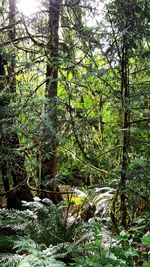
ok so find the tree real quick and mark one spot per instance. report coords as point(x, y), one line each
point(126, 20)
point(49, 147)
point(79, 96)
point(13, 172)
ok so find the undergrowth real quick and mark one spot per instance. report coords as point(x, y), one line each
point(39, 235)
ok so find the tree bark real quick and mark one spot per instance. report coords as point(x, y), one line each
point(49, 160)
point(13, 171)
point(126, 130)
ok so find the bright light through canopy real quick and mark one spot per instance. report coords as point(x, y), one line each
point(28, 7)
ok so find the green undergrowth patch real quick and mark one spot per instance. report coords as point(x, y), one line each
point(40, 235)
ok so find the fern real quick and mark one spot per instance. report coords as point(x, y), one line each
point(30, 254)
point(10, 260)
point(40, 235)
point(42, 238)
point(41, 221)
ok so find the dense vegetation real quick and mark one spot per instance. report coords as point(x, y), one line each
point(74, 136)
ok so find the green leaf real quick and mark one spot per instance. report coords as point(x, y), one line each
point(146, 265)
point(123, 235)
point(8, 241)
point(131, 253)
point(146, 240)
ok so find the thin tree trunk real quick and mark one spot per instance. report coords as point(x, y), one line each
point(126, 131)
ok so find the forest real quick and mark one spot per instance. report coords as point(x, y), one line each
point(74, 133)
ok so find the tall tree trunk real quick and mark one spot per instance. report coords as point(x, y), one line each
point(125, 96)
point(13, 171)
point(3, 113)
point(126, 131)
point(18, 170)
point(49, 161)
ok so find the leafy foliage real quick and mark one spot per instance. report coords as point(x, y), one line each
point(74, 109)
point(40, 220)
point(29, 253)
point(37, 239)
